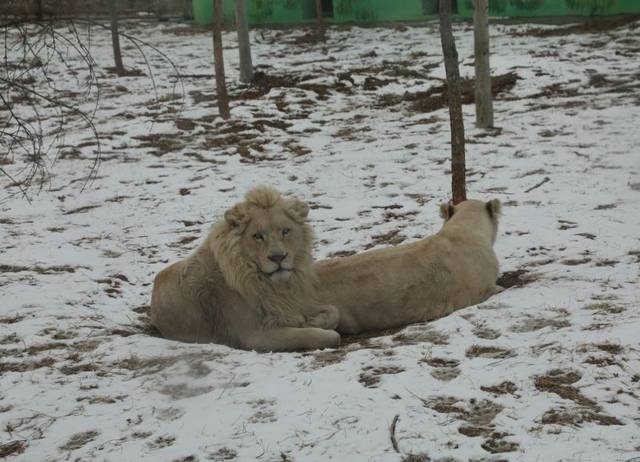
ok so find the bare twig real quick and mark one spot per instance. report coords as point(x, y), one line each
point(392, 430)
point(546, 179)
point(36, 104)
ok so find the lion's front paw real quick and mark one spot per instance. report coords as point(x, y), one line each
point(334, 339)
point(327, 318)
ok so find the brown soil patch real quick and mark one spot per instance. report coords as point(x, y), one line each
point(532, 324)
point(40, 269)
point(477, 416)
point(156, 364)
point(517, 278)
point(559, 382)
point(417, 458)
point(575, 261)
point(371, 376)
point(577, 416)
point(478, 351)
point(79, 439)
point(12, 448)
point(11, 338)
point(83, 209)
point(612, 348)
point(445, 374)
point(496, 445)
point(445, 405)
point(486, 333)
point(444, 369)
point(35, 349)
point(341, 253)
point(78, 369)
point(402, 335)
point(325, 358)
point(25, 365)
point(262, 84)
point(392, 237)
point(436, 98)
point(12, 319)
point(602, 361)
point(162, 442)
point(418, 334)
point(604, 308)
point(160, 143)
point(131, 72)
point(440, 362)
point(502, 388)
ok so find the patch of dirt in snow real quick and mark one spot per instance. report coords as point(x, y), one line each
point(577, 416)
point(371, 376)
point(502, 388)
point(560, 382)
point(12, 448)
point(516, 278)
point(78, 440)
point(488, 351)
point(436, 97)
point(477, 420)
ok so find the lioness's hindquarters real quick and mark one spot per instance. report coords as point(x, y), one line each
point(418, 281)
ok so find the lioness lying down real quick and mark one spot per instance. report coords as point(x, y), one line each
point(420, 281)
point(250, 284)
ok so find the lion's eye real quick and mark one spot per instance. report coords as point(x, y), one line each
point(258, 237)
point(286, 231)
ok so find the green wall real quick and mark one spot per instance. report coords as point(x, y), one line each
point(302, 11)
point(538, 8)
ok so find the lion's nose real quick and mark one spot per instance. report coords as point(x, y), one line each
point(277, 257)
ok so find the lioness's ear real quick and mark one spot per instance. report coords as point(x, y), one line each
point(236, 215)
point(494, 209)
point(446, 210)
point(297, 210)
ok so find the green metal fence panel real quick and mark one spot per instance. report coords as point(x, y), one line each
point(258, 11)
point(551, 8)
point(340, 11)
point(377, 10)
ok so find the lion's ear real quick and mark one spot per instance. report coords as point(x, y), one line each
point(494, 209)
point(446, 210)
point(236, 215)
point(297, 210)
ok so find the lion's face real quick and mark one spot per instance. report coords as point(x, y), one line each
point(272, 241)
point(274, 238)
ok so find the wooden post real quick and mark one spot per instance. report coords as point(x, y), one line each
point(319, 18)
point(221, 87)
point(455, 105)
point(244, 45)
point(483, 96)
point(115, 38)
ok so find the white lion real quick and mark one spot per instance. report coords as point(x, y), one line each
point(421, 281)
point(250, 285)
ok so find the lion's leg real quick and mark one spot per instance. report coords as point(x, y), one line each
point(324, 317)
point(292, 339)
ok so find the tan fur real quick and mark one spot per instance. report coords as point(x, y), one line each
point(421, 281)
point(229, 291)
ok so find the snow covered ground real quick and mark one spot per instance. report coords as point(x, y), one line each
point(547, 370)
